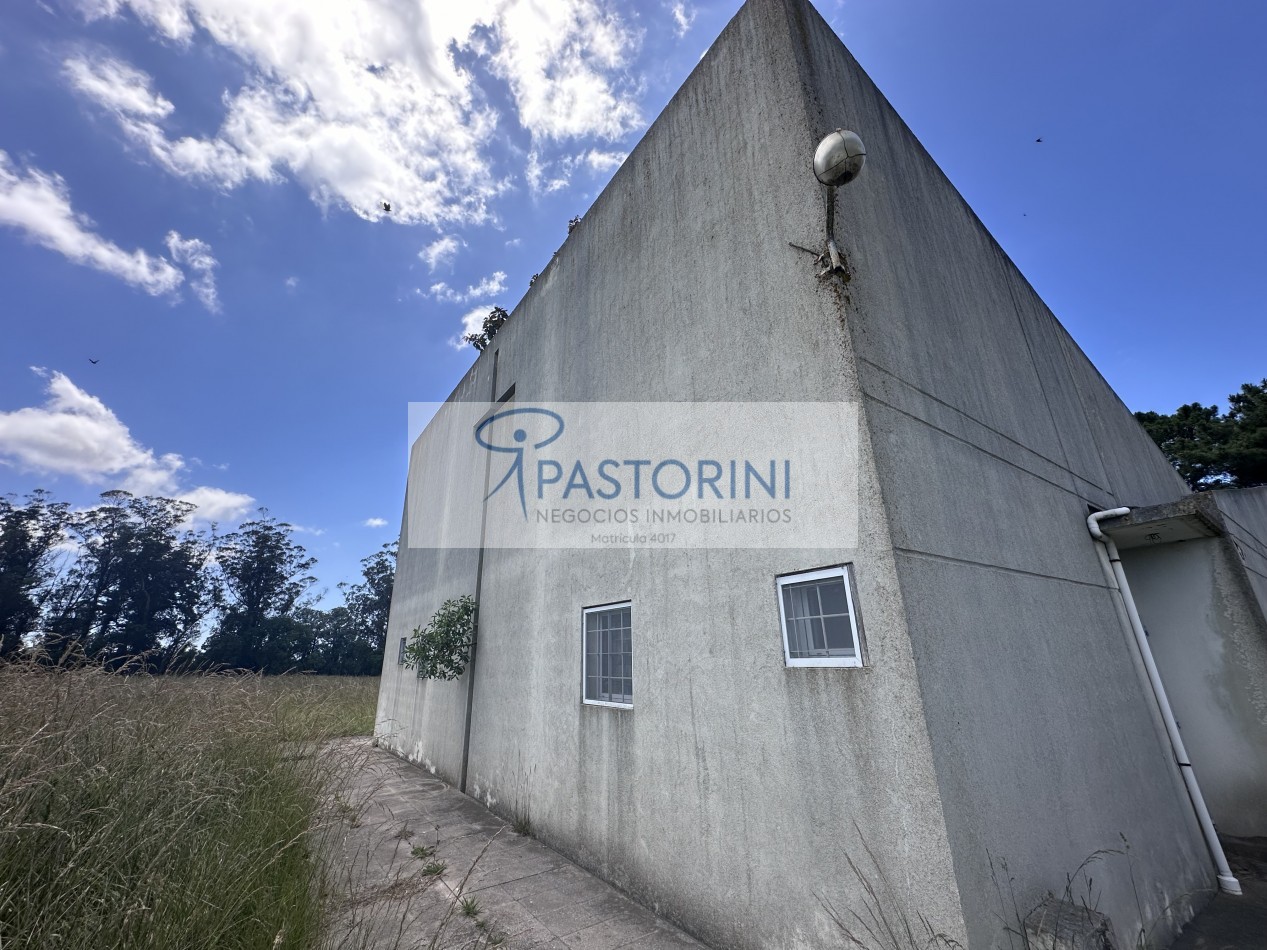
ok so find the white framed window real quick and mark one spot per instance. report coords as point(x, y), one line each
point(400, 657)
point(820, 624)
point(607, 645)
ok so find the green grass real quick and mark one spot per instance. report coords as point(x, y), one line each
point(147, 812)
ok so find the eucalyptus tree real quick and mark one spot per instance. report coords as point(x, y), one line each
point(31, 537)
point(370, 600)
point(139, 588)
point(263, 576)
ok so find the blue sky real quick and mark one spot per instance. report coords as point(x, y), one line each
point(190, 193)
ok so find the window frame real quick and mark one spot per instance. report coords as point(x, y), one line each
point(845, 572)
point(585, 612)
point(400, 656)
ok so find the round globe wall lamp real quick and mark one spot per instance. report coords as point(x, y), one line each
point(838, 160)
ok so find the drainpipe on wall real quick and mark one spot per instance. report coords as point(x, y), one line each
point(1111, 561)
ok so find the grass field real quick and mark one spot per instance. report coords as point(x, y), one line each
point(167, 812)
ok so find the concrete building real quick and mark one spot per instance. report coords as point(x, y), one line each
point(995, 707)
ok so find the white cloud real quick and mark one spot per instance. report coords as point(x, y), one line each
point(38, 204)
point(76, 434)
point(560, 59)
point(472, 322)
point(541, 180)
point(301, 529)
point(216, 504)
point(548, 176)
point(494, 283)
point(196, 255)
point(364, 102)
point(375, 522)
point(440, 252)
point(292, 283)
point(683, 17)
point(600, 162)
point(117, 87)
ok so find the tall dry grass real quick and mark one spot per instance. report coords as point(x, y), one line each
point(167, 812)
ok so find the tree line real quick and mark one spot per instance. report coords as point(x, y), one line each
point(1211, 449)
point(132, 581)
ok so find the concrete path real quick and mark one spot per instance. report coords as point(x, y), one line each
point(1229, 923)
point(1234, 923)
point(411, 847)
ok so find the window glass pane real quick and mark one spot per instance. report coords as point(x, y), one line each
point(839, 636)
point(799, 600)
point(591, 687)
point(798, 635)
point(832, 592)
point(817, 641)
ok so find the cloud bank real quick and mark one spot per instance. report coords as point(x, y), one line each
point(365, 102)
point(74, 433)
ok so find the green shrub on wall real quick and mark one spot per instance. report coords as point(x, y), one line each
point(441, 649)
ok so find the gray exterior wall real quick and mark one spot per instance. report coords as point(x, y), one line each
point(1245, 520)
point(729, 797)
point(425, 721)
point(1001, 711)
point(1210, 644)
point(992, 435)
point(1203, 603)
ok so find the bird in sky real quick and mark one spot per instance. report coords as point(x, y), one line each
point(387, 207)
point(1039, 139)
point(92, 361)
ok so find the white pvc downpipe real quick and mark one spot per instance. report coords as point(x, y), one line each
point(1112, 561)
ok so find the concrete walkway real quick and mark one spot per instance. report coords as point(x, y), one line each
point(1234, 923)
point(411, 847)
